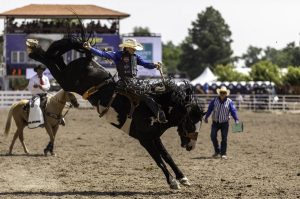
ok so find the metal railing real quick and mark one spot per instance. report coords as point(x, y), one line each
point(259, 102)
point(249, 102)
point(8, 98)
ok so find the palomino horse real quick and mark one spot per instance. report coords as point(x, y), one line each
point(53, 114)
point(83, 74)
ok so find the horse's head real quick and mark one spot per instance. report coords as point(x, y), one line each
point(191, 114)
point(70, 97)
point(189, 126)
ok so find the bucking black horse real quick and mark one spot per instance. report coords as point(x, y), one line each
point(87, 78)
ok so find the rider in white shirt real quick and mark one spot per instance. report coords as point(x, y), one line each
point(38, 85)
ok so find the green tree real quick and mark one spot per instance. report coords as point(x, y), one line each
point(141, 31)
point(278, 57)
point(292, 77)
point(208, 43)
point(288, 56)
point(252, 56)
point(171, 54)
point(293, 53)
point(227, 73)
point(265, 71)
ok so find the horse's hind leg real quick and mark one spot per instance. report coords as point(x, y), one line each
point(21, 138)
point(13, 142)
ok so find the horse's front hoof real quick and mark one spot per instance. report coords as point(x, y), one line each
point(53, 154)
point(185, 181)
point(174, 185)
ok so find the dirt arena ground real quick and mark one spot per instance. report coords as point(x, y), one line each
point(95, 160)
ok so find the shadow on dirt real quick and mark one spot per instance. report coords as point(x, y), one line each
point(86, 193)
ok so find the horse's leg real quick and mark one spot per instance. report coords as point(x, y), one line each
point(150, 146)
point(13, 142)
point(21, 138)
point(168, 159)
point(54, 130)
point(49, 147)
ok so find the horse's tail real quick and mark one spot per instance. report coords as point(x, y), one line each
point(8, 121)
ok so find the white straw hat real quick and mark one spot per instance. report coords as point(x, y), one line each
point(223, 89)
point(131, 43)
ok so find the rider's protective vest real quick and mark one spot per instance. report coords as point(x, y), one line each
point(127, 67)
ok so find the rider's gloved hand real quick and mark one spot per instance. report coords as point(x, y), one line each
point(158, 65)
point(87, 45)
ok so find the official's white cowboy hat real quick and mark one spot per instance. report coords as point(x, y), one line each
point(131, 43)
point(223, 89)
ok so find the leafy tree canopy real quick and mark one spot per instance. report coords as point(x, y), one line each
point(227, 73)
point(208, 43)
point(171, 54)
point(252, 56)
point(265, 71)
point(293, 76)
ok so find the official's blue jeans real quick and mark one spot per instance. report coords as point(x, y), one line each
point(215, 127)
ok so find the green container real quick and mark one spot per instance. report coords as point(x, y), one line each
point(237, 128)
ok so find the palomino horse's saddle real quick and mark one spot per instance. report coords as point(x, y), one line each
point(43, 102)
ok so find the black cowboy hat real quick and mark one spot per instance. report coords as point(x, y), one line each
point(42, 67)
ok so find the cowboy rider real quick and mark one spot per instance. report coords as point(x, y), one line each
point(38, 85)
point(126, 61)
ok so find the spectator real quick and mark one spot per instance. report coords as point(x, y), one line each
point(239, 100)
point(198, 90)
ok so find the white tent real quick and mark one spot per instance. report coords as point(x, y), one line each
point(205, 77)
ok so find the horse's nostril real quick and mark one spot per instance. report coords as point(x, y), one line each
point(189, 148)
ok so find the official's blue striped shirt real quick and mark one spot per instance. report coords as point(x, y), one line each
point(221, 110)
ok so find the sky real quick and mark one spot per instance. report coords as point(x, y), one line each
point(259, 23)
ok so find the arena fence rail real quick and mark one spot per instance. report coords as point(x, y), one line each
point(249, 102)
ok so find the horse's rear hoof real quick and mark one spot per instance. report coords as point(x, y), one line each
point(174, 185)
point(184, 181)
